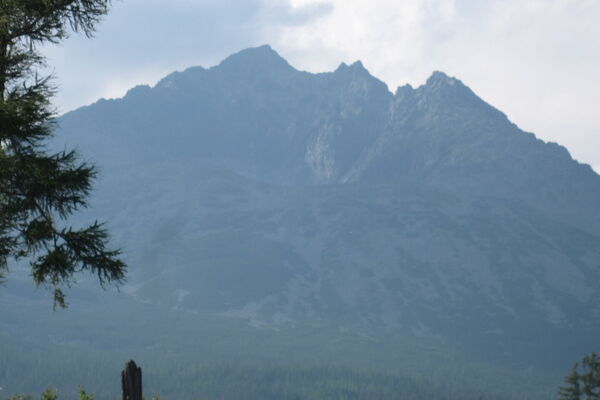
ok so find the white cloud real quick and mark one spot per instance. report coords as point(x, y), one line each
point(536, 60)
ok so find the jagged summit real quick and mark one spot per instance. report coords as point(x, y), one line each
point(356, 72)
point(436, 80)
point(440, 78)
point(358, 65)
point(443, 93)
point(355, 66)
point(262, 84)
point(439, 81)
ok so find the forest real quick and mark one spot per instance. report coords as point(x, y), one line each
point(270, 382)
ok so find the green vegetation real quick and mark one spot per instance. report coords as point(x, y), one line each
point(52, 394)
point(226, 360)
point(290, 382)
point(38, 190)
point(583, 382)
point(284, 382)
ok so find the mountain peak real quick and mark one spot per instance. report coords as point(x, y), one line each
point(256, 58)
point(356, 67)
point(443, 89)
point(439, 78)
point(404, 90)
point(357, 71)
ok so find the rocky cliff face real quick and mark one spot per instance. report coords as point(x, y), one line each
point(255, 191)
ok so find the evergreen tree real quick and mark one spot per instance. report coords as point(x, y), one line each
point(572, 389)
point(590, 379)
point(40, 190)
point(583, 382)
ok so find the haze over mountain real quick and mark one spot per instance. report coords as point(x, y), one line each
point(257, 193)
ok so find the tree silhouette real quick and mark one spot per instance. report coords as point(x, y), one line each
point(39, 190)
point(583, 382)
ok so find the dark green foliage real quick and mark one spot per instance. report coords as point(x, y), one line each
point(83, 395)
point(52, 394)
point(38, 189)
point(583, 382)
point(280, 382)
point(572, 390)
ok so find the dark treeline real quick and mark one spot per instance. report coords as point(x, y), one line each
point(279, 382)
point(169, 379)
point(188, 356)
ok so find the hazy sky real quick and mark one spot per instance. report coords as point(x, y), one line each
point(536, 60)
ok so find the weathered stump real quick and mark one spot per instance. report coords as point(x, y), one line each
point(131, 381)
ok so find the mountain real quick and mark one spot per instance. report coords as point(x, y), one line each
point(258, 195)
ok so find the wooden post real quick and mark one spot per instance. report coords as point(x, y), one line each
point(131, 381)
